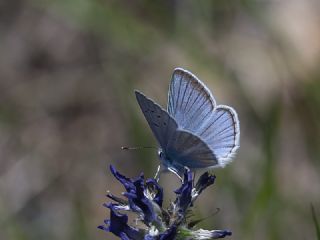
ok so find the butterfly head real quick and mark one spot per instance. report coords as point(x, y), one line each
point(165, 159)
point(161, 155)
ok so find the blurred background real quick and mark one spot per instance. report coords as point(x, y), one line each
point(68, 69)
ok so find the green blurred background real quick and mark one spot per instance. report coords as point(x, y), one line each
point(68, 69)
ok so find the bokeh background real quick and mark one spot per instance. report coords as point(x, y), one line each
point(68, 69)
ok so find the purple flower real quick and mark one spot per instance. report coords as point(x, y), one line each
point(156, 189)
point(145, 199)
point(139, 200)
point(204, 181)
point(183, 200)
point(118, 225)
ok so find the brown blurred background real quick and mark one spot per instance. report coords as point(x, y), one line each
point(68, 69)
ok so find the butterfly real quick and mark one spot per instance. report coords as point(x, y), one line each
point(194, 131)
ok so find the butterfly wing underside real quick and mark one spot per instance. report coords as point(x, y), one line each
point(180, 146)
point(161, 123)
point(193, 107)
point(184, 147)
point(189, 102)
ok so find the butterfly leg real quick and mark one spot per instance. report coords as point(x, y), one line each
point(194, 177)
point(176, 173)
point(157, 175)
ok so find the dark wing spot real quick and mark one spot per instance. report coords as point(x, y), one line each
point(156, 124)
point(164, 123)
point(158, 116)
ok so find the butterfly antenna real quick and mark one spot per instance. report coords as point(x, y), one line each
point(136, 148)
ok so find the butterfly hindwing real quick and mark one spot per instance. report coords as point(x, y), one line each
point(222, 133)
point(186, 149)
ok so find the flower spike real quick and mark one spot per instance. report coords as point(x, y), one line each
point(145, 199)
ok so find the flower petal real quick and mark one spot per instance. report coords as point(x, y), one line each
point(117, 199)
point(138, 198)
point(213, 234)
point(126, 182)
point(185, 192)
point(204, 181)
point(154, 186)
point(124, 236)
point(221, 233)
point(170, 234)
point(118, 225)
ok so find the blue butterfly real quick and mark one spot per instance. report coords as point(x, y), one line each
point(194, 132)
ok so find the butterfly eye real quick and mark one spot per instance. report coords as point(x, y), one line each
point(160, 154)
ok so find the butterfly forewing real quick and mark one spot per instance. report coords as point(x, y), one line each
point(160, 122)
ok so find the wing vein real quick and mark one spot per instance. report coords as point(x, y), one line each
point(188, 99)
point(194, 102)
point(212, 123)
point(184, 93)
point(176, 107)
point(195, 113)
